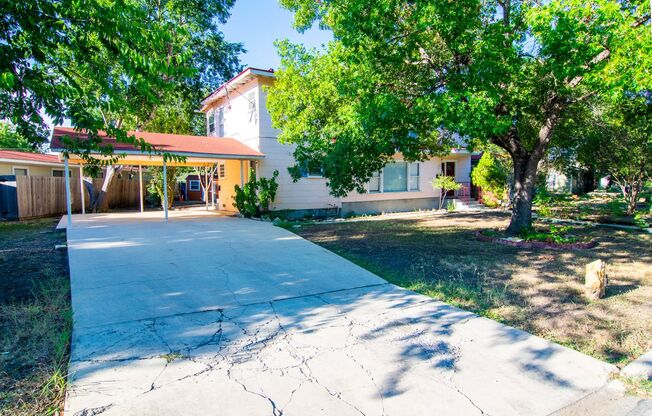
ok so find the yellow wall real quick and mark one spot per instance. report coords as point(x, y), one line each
point(34, 170)
point(227, 184)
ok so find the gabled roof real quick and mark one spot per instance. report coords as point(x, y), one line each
point(38, 158)
point(240, 79)
point(178, 144)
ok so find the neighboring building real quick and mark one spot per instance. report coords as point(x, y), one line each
point(15, 162)
point(238, 110)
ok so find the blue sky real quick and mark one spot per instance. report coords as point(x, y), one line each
point(258, 23)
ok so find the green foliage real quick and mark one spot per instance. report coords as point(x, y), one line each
point(155, 185)
point(107, 64)
point(402, 76)
point(491, 175)
point(255, 197)
point(557, 235)
point(12, 140)
point(640, 220)
point(444, 184)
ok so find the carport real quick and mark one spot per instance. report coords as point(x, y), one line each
point(194, 151)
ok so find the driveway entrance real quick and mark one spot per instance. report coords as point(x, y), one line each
point(213, 315)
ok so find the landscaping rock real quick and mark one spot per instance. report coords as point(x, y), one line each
point(277, 221)
point(595, 280)
point(639, 368)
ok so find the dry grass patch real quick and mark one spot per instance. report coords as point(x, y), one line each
point(540, 291)
point(35, 318)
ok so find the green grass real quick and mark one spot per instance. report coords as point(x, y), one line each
point(638, 386)
point(35, 318)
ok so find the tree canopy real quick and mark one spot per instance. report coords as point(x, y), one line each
point(104, 65)
point(403, 76)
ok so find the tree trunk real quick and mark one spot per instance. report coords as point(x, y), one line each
point(525, 171)
point(111, 171)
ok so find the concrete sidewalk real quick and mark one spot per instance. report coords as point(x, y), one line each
point(214, 315)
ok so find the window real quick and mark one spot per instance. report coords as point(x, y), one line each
point(251, 106)
point(222, 171)
point(374, 182)
point(414, 176)
point(194, 185)
point(211, 122)
point(21, 171)
point(59, 173)
point(220, 122)
point(395, 177)
point(312, 170)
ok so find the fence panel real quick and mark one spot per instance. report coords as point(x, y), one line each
point(40, 196)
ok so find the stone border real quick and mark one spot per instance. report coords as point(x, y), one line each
point(536, 244)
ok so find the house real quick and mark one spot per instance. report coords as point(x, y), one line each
point(238, 110)
point(19, 163)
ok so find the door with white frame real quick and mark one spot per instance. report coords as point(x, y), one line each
point(448, 169)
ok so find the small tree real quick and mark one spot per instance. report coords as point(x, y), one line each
point(255, 197)
point(155, 185)
point(491, 175)
point(444, 184)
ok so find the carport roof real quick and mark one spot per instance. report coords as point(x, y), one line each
point(177, 144)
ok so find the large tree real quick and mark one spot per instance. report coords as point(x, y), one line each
point(107, 65)
point(401, 75)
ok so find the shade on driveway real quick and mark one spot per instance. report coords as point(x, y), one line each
point(209, 315)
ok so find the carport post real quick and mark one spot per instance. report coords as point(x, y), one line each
point(165, 188)
point(67, 176)
point(81, 187)
point(241, 173)
point(140, 187)
point(206, 187)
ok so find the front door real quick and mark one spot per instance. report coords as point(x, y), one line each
point(448, 169)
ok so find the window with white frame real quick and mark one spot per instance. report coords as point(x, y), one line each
point(396, 177)
point(211, 122)
point(414, 176)
point(220, 121)
point(194, 185)
point(251, 107)
point(21, 171)
point(374, 182)
point(312, 170)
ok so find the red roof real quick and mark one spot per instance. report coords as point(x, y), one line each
point(171, 143)
point(32, 157)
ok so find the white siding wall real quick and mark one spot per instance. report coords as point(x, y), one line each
point(308, 193)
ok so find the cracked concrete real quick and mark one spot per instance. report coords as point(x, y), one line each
point(233, 317)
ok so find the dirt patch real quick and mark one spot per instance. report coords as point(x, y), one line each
point(35, 317)
point(538, 290)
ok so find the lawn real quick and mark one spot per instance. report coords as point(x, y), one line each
point(598, 206)
point(540, 291)
point(35, 318)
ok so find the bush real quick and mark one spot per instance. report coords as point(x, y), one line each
point(491, 176)
point(255, 197)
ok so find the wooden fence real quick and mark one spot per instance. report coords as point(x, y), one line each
point(41, 196)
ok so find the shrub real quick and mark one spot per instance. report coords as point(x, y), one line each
point(491, 176)
point(255, 197)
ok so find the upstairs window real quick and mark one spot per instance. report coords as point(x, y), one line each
point(220, 122)
point(211, 122)
point(251, 107)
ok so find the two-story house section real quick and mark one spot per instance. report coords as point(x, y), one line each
point(238, 110)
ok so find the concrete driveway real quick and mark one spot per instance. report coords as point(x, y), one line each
point(209, 315)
